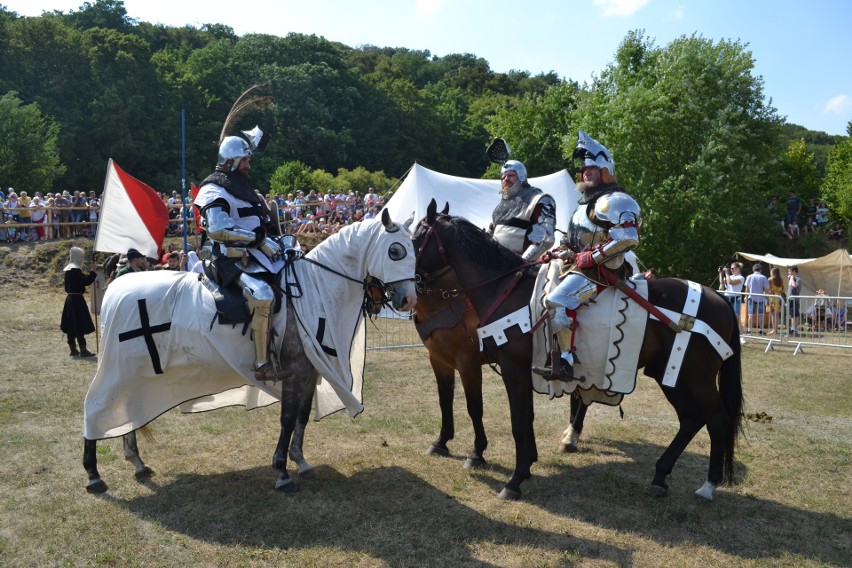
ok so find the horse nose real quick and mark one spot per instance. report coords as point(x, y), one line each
point(405, 302)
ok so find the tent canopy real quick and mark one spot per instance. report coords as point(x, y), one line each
point(832, 272)
point(473, 199)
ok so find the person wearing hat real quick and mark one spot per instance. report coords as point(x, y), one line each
point(76, 321)
point(135, 263)
point(602, 229)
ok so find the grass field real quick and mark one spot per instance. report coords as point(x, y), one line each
point(378, 500)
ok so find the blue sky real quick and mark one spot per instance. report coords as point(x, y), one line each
point(803, 50)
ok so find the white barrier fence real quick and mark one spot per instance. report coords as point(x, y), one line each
point(799, 321)
point(795, 321)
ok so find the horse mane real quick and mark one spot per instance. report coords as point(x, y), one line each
point(477, 245)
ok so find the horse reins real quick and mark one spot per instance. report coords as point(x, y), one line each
point(426, 277)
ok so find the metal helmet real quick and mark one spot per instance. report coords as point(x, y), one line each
point(233, 148)
point(517, 167)
point(593, 153)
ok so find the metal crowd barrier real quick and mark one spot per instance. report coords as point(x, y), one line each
point(822, 321)
point(392, 330)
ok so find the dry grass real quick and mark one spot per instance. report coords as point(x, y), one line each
point(379, 501)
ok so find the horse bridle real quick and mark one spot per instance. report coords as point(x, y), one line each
point(425, 277)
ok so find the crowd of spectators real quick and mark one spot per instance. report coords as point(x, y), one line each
point(804, 218)
point(49, 216)
point(74, 214)
point(324, 213)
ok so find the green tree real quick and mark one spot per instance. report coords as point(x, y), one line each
point(535, 127)
point(798, 171)
point(692, 139)
point(291, 177)
point(29, 156)
point(837, 187)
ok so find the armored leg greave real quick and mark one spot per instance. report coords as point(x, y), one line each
point(260, 297)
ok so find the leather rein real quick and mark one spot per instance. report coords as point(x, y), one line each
point(423, 278)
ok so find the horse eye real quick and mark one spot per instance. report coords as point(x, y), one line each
point(397, 252)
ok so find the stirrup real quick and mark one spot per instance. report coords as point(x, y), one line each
point(561, 370)
point(265, 372)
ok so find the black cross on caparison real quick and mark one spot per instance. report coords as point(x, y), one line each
point(148, 331)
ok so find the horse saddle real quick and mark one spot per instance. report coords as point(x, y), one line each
point(231, 305)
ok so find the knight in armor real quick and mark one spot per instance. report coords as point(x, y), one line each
point(244, 252)
point(525, 219)
point(603, 228)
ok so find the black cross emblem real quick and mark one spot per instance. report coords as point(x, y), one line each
point(148, 332)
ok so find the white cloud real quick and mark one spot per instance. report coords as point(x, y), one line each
point(841, 104)
point(427, 7)
point(620, 7)
point(679, 12)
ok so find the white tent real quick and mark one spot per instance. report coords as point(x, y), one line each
point(473, 199)
point(832, 272)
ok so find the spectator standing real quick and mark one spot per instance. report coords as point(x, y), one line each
point(794, 288)
point(734, 280)
point(39, 212)
point(79, 208)
point(776, 288)
point(94, 209)
point(26, 215)
point(757, 285)
point(371, 199)
point(822, 215)
point(52, 219)
point(811, 210)
point(794, 208)
point(76, 321)
point(63, 203)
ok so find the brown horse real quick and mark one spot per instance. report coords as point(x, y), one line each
point(487, 271)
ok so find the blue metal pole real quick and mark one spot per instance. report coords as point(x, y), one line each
point(183, 177)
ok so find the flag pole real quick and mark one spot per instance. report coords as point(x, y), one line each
point(184, 210)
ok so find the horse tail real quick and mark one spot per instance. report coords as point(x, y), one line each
point(731, 392)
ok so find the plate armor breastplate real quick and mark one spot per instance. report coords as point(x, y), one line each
point(582, 232)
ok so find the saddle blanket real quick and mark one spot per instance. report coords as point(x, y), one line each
point(607, 342)
point(162, 348)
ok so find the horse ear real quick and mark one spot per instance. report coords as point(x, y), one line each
point(446, 210)
point(408, 222)
point(386, 220)
point(431, 210)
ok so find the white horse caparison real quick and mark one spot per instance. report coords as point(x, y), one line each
point(345, 261)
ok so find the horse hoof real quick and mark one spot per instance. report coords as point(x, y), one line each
point(705, 492)
point(308, 473)
point(568, 448)
point(509, 494)
point(474, 462)
point(434, 450)
point(657, 490)
point(144, 474)
point(97, 487)
point(287, 487)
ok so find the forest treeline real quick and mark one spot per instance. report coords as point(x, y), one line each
point(695, 137)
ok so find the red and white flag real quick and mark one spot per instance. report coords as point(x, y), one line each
point(132, 215)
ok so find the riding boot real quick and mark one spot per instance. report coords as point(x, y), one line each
point(72, 344)
point(83, 351)
point(561, 360)
point(560, 367)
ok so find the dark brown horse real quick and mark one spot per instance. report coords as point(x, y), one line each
point(498, 283)
point(447, 322)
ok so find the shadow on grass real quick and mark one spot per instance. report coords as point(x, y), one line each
point(386, 513)
point(613, 495)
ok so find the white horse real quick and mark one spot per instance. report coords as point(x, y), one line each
point(164, 347)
